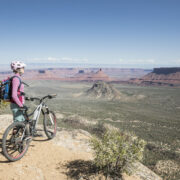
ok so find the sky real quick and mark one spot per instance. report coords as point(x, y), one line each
point(122, 33)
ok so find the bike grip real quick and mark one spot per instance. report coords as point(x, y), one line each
point(52, 96)
point(27, 98)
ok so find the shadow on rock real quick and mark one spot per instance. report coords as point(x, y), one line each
point(87, 170)
point(80, 169)
point(2, 152)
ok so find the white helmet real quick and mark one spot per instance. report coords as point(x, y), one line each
point(17, 64)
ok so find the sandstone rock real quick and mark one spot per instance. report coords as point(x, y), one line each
point(142, 172)
point(76, 140)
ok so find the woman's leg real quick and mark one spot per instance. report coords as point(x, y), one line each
point(17, 113)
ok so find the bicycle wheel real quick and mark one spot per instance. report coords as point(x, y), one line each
point(14, 145)
point(50, 124)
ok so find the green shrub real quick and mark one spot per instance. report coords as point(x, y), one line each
point(115, 151)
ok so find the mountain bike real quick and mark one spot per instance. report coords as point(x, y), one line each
point(18, 135)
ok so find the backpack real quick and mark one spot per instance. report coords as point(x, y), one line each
point(6, 89)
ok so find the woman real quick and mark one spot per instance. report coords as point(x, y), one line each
point(17, 101)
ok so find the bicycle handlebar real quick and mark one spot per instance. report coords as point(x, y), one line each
point(50, 96)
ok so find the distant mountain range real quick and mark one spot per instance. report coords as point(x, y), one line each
point(157, 76)
point(160, 76)
point(80, 74)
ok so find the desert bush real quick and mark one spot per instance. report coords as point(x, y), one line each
point(115, 151)
point(98, 129)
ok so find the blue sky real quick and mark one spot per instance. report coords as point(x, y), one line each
point(127, 33)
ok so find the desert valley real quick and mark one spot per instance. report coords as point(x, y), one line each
point(145, 102)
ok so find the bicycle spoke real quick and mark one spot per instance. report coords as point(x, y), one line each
point(13, 147)
point(13, 152)
point(8, 147)
point(50, 124)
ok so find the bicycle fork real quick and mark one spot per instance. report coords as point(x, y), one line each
point(50, 116)
point(47, 110)
point(37, 115)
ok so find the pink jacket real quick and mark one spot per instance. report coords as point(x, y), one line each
point(16, 94)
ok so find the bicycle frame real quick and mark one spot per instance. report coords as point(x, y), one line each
point(36, 113)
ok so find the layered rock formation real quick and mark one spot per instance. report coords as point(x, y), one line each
point(91, 76)
point(103, 90)
point(160, 76)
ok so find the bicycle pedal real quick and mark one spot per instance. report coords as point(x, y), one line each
point(28, 139)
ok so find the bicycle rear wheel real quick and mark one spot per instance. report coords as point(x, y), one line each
point(14, 145)
point(50, 124)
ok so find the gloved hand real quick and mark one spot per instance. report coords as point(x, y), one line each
point(27, 98)
point(24, 108)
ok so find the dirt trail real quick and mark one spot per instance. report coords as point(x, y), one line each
point(44, 160)
point(67, 156)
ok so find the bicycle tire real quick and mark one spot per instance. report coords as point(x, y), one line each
point(19, 146)
point(50, 119)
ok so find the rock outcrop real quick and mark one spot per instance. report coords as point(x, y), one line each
point(160, 76)
point(91, 76)
point(102, 89)
point(105, 90)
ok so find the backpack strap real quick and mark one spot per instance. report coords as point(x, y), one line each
point(19, 81)
point(25, 84)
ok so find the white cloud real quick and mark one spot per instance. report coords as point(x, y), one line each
point(33, 60)
point(57, 60)
point(177, 61)
point(122, 62)
point(145, 61)
point(66, 59)
point(74, 60)
point(173, 62)
point(136, 61)
point(52, 59)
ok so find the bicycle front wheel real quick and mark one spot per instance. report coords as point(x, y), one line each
point(50, 124)
point(14, 145)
